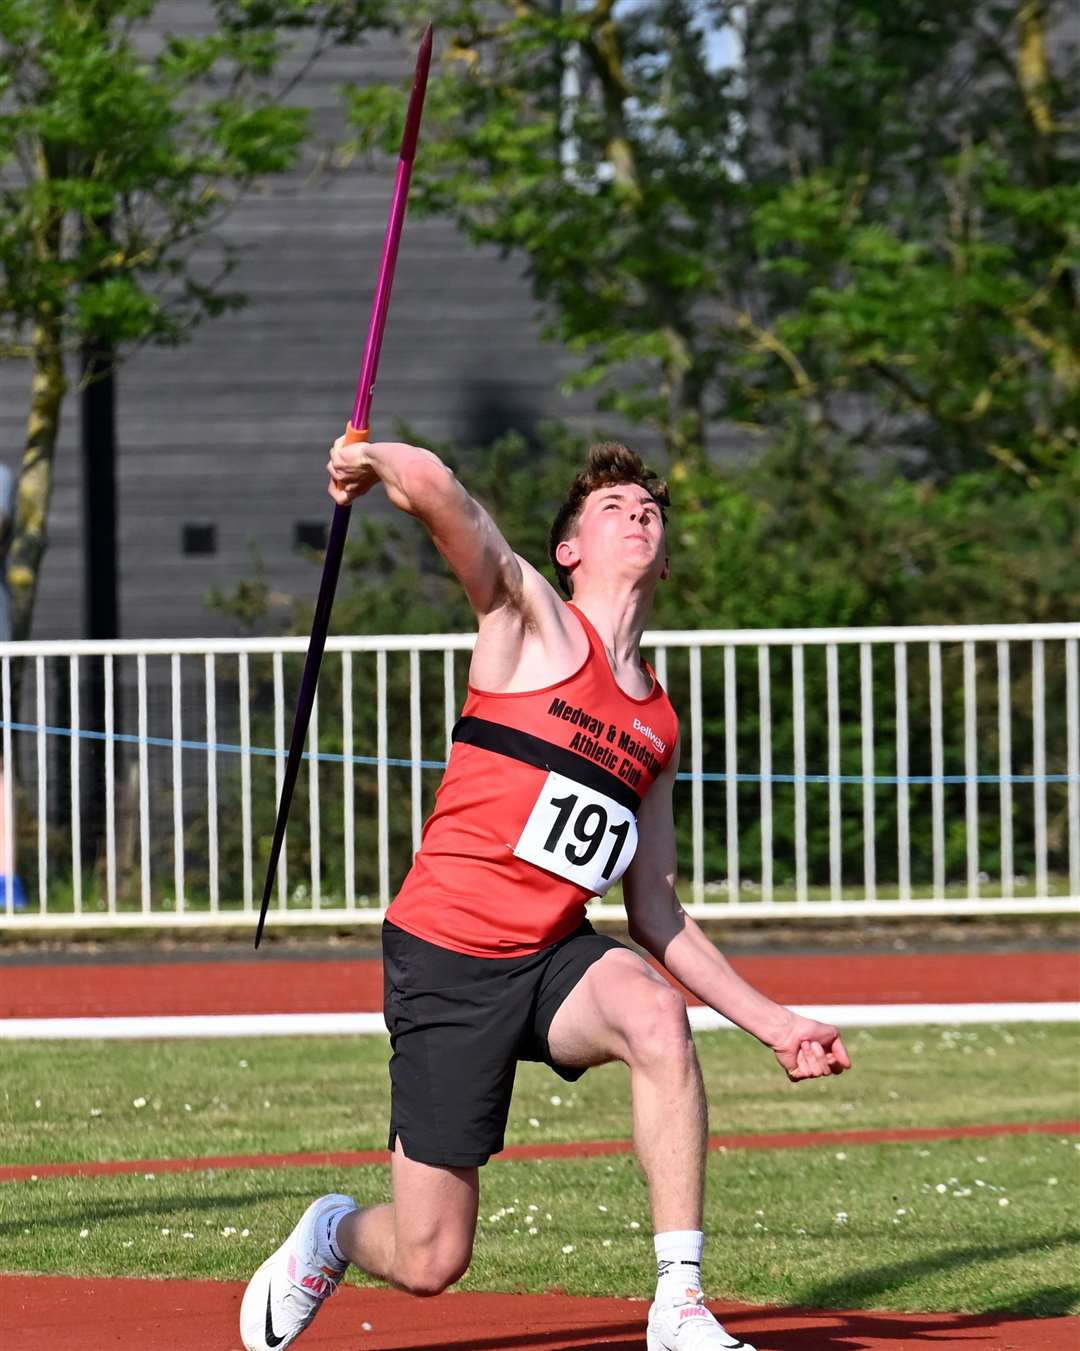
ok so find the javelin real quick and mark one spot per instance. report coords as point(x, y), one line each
point(357, 430)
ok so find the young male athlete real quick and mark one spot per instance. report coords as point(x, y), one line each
point(559, 783)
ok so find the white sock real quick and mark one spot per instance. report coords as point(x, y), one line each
point(678, 1263)
point(326, 1249)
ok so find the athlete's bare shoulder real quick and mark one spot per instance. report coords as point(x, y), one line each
point(532, 643)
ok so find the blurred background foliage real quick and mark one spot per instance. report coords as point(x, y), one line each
point(818, 259)
point(823, 257)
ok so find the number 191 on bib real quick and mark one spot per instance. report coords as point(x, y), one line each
point(578, 833)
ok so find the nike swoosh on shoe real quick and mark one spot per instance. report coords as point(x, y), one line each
point(272, 1339)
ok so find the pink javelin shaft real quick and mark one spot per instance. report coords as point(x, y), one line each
point(357, 430)
point(365, 385)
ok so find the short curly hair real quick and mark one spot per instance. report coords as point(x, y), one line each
point(607, 463)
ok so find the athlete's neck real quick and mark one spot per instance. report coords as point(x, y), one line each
point(619, 622)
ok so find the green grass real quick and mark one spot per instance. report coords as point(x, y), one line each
point(776, 1221)
point(65, 1101)
point(858, 1226)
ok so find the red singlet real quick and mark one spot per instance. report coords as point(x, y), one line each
point(536, 812)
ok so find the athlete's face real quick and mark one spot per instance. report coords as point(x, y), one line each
point(620, 528)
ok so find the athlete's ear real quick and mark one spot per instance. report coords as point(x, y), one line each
point(665, 571)
point(567, 554)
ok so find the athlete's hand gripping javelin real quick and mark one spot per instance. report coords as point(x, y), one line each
point(351, 469)
point(406, 472)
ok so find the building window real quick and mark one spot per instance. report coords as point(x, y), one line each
point(309, 535)
point(198, 537)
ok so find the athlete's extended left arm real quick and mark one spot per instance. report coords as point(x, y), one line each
point(805, 1048)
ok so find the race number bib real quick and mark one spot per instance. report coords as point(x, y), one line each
point(581, 834)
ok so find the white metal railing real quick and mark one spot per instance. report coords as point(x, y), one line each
point(826, 772)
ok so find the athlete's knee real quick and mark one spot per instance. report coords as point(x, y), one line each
point(656, 1027)
point(433, 1268)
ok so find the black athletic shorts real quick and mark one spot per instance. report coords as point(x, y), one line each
point(458, 1026)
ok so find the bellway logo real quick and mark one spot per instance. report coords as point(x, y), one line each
point(658, 742)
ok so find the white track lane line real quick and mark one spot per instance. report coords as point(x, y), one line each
point(371, 1024)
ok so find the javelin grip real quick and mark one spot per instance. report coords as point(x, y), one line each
point(354, 434)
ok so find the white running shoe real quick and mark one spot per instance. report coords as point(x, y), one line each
point(289, 1289)
point(687, 1325)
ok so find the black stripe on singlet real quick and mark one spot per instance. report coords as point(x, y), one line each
point(533, 750)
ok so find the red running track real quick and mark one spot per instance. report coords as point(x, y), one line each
point(67, 1314)
point(274, 986)
point(57, 1313)
point(574, 1149)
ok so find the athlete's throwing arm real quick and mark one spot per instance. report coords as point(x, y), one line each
point(522, 629)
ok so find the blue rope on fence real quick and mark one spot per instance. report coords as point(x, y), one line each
point(333, 757)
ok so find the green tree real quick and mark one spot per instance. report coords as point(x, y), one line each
point(122, 147)
point(923, 290)
point(867, 217)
